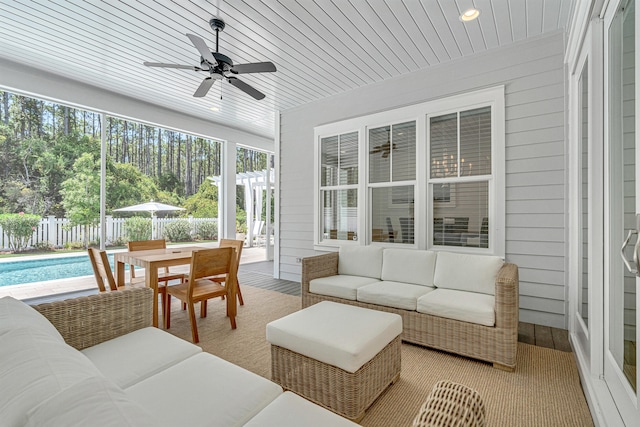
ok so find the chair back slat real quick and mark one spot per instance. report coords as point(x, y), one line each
point(145, 245)
point(102, 269)
point(210, 262)
point(237, 245)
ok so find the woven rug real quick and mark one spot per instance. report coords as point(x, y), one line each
point(544, 390)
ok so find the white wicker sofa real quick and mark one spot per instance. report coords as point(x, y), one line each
point(461, 303)
point(94, 361)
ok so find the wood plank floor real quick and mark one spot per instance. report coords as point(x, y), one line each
point(260, 275)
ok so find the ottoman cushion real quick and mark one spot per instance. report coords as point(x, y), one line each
point(336, 334)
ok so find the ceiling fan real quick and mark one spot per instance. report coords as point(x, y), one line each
point(220, 66)
point(385, 149)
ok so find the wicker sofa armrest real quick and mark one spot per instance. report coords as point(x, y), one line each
point(507, 297)
point(318, 266)
point(86, 321)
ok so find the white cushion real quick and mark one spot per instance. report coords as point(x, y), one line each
point(291, 410)
point(132, 357)
point(204, 390)
point(464, 272)
point(392, 294)
point(363, 261)
point(336, 334)
point(408, 266)
point(341, 286)
point(33, 367)
point(91, 402)
point(16, 314)
point(459, 305)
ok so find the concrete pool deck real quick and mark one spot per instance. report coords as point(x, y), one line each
point(75, 284)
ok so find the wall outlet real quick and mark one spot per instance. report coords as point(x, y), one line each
point(298, 260)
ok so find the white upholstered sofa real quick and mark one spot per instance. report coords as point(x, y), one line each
point(462, 303)
point(94, 361)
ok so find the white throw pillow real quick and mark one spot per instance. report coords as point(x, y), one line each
point(91, 402)
point(365, 261)
point(33, 367)
point(16, 314)
point(408, 266)
point(464, 272)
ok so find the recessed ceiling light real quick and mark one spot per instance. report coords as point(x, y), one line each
point(470, 15)
point(214, 108)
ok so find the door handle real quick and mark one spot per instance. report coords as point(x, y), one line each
point(636, 248)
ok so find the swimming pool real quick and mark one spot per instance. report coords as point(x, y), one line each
point(39, 270)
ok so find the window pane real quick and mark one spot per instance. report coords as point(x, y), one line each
point(392, 214)
point(349, 158)
point(461, 214)
point(443, 134)
point(475, 142)
point(403, 154)
point(379, 154)
point(339, 214)
point(329, 160)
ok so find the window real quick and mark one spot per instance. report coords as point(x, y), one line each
point(460, 157)
point(339, 186)
point(392, 174)
point(429, 175)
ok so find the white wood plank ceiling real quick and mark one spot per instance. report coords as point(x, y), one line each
point(320, 47)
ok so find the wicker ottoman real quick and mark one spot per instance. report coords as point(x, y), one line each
point(336, 355)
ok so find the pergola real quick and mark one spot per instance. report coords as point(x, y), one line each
point(254, 183)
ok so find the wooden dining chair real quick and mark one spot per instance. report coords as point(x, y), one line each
point(102, 270)
point(106, 281)
point(206, 264)
point(237, 246)
point(143, 245)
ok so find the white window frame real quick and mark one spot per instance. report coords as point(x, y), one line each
point(423, 224)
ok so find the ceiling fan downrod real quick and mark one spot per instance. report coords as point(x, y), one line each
point(216, 25)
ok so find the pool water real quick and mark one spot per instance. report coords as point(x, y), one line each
point(40, 270)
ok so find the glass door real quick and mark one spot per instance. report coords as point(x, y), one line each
point(621, 295)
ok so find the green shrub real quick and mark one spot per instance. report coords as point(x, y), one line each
point(44, 246)
point(178, 231)
point(206, 230)
point(118, 241)
point(19, 228)
point(137, 228)
point(74, 245)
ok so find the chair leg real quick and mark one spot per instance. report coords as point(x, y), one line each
point(203, 308)
point(194, 326)
point(167, 317)
point(184, 306)
point(163, 296)
point(240, 295)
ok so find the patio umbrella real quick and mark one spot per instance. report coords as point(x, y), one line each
point(151, 207)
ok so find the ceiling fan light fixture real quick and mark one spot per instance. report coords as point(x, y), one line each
point(470, 15)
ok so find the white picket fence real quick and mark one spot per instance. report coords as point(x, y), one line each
point(57, 232)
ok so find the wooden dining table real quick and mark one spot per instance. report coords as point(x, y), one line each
point(151, 260)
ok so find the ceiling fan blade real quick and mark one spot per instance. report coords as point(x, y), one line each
point(254, 67)
point(161, 64)
point(246, 88)
point(204, 87)
point(202, 48)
